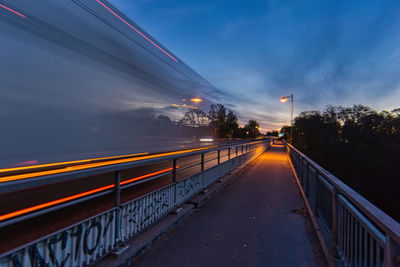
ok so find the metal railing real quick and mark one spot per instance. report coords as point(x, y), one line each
point(358, 233)
point(93, 238)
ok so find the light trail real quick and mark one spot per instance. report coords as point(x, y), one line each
point(97, 190)
point(73, 197)
point(184, 105)
point(146, 176)
point(139, 32)
point(93, 165)
point(67, 162)
point(15, 12)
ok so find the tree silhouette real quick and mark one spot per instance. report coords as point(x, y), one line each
point(195, 118)
point(358, 145)
point(219, 121)
point(231, 124)
point(252, 129)
point(217, 116)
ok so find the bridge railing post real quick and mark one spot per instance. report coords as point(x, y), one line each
point(392, 253)
point(229, 153)
point(334, 223)
point(307, 180)
point(202, 171)
point(301, 170)
point(219, 156)
point(316, 196)
point(174, 163)
point(202, 162)
point(117, 204)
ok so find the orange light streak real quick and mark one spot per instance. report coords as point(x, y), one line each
point(144, 36)
point(94, 165)
point(52, 203)
point(146, 176)
point(73, 197)
point(67, 162)
point(9, 9)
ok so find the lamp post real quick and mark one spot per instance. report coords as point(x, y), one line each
point(284, 100)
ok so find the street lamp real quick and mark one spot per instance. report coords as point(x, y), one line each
point(284, 99)
point(196, 100)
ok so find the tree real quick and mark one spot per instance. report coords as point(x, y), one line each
point(272, 133)
point(195, 118)
point(217, 113)
point(358, 145)
point(231, 124)
point(217, 116)
point(252, 129)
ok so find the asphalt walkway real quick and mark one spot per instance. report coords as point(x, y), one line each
point(254, 221)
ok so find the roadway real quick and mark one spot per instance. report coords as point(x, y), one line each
point(22, 202)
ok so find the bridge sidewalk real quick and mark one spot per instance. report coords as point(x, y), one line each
point(253, 221)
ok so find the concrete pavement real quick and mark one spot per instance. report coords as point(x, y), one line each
point(256, 220)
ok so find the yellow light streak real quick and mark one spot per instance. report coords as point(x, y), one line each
point(67, 162)
point(184, 105)
point(94, 165)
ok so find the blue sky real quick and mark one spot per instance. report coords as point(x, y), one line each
point(324, 52)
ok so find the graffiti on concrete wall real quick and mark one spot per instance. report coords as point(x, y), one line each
point(142, 212)
point(76, 246)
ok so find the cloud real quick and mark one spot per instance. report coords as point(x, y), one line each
point(332, 53)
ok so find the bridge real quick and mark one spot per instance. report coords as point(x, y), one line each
point(256, 203)
point(93, 78)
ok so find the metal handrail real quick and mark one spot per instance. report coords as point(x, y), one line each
point(188, 167)
point(379, 217)
point(95, 171)
point(6, 187)
point(51, 209)
point(348, 208)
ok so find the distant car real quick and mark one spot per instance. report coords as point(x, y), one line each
point(206, 141)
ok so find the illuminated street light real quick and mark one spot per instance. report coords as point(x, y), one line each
point(196, 100)
point(284, 99)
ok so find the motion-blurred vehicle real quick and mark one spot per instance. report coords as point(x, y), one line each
point(206, 141)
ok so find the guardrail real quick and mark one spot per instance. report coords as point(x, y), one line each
point(359, 233)
point(88, 241)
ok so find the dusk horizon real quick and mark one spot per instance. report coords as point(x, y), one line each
point(333, 53)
